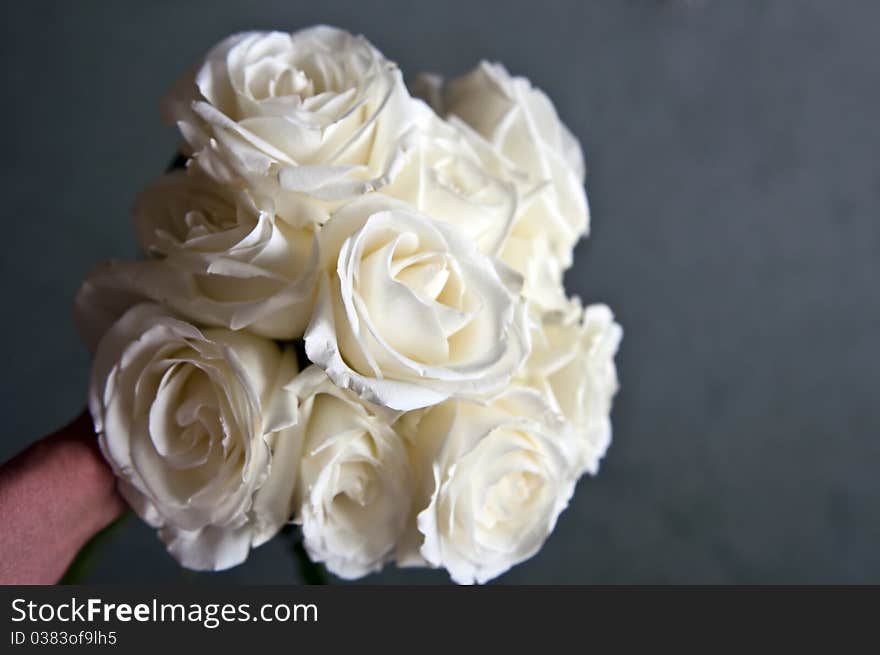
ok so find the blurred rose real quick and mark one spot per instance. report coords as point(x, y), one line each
point(572, 366)
point(521, 124)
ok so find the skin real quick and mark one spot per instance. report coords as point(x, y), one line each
point(54, 496)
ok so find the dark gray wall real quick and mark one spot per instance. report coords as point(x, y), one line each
point(732, 151)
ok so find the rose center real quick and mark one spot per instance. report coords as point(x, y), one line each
point(356, 486)
point(509, 497)
point(461, 179)
point(426, 276)
point(273, 78)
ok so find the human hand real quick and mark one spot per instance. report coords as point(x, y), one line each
point(54, 496)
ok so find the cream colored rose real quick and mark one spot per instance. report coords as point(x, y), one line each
point(409, 312)
point(497, 478)
point(521, 122)
point(354, 487)
point(319, 111)
point(572, 366)
point(227, 258)
point(190, 420)
point(528, 251)
point(453, 175)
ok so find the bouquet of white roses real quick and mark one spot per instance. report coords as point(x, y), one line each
point(351, 316)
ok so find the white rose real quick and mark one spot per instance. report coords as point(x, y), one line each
point(354, 488)
point(572, 366)
point(528, 251)
point(320, 111)
point(190, 421)
point(521, 122)
point(455, 176)
point(228, 259)
point(409, 312)
point(499, 478)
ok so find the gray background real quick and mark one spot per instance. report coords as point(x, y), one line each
point(732, 151)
